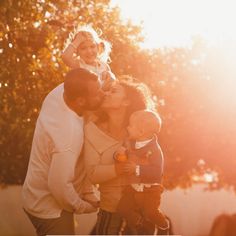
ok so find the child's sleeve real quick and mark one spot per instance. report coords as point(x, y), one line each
point(153, 172)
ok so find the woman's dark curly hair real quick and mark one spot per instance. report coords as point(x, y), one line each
point(138, 94)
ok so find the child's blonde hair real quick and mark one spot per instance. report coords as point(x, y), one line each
point(87, 32)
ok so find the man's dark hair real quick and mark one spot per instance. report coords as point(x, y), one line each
point(76, 83)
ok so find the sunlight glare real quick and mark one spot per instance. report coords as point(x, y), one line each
point(169, 23)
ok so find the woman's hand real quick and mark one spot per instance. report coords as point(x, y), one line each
point(120, 168)
point(121, 154)
point(127, 167)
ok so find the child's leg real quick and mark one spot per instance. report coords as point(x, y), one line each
point(145, 226)
point(128, 209)
point(151, 209)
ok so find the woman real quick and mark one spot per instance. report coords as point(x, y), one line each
point(102, 139)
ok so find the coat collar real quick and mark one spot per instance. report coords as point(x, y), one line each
point(144, 150)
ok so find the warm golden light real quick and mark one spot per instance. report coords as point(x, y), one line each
point(168, 23)
point(174, 23)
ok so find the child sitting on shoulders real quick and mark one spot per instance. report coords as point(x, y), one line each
point(85, 49)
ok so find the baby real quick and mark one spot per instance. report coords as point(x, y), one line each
point(142, 159)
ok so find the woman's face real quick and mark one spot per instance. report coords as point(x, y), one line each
point(88, 51)
point(115, 98)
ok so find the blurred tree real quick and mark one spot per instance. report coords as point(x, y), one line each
point(32, 34)
point(195, 87)
point(198, 135)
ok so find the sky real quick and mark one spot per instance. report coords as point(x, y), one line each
point(176, 22)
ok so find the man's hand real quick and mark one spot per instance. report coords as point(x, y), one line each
point(92, 199)
point(89, 208)
point(85, 207)
point(95, 204)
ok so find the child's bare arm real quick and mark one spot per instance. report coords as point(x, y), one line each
point(68, 56)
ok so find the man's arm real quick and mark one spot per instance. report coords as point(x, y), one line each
point(61, 175)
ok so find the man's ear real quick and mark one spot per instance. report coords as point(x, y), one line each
point(80, 101)
point(126, 102)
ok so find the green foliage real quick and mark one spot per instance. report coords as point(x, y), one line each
point(197, 112)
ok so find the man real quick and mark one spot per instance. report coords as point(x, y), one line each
point(49, 194)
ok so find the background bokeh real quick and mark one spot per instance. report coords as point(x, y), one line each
point(194, 87)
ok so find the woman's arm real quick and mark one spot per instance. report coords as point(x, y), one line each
point(97, 172)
